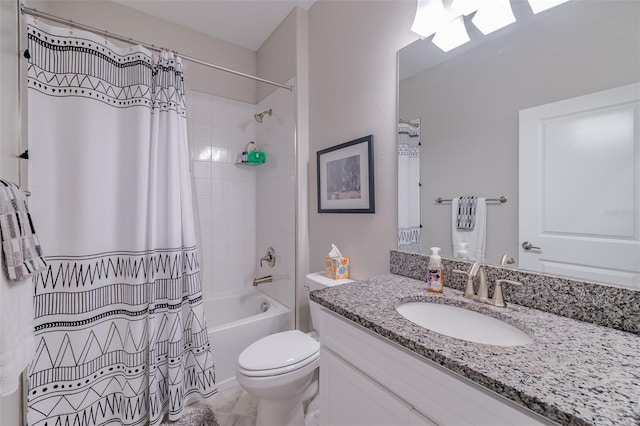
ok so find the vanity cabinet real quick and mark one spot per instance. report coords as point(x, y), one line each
point(349, 397)
point(368, 380)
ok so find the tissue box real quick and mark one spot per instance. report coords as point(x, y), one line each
point(336, 268)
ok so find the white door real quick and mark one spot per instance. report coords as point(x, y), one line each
point(580, 187)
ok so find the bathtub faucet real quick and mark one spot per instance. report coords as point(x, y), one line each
point(262, 280)
point(270, 257)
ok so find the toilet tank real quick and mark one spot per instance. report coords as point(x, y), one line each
point(317, 281)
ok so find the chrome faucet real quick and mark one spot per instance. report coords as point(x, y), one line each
point(483, 287)
point(477, 270)
point(507, 260)
point(498, 299)
point(270, 257)
point(262, 280)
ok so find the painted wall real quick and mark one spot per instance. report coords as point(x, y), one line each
point(132, 23)
point(9, 83)
point(352, 93)
point(469, 107)
point(276, 59)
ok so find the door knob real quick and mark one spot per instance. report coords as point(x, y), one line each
point(528, 246)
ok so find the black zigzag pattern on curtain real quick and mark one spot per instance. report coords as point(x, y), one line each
point(410, 150)
point(408, 235)
point(144, 343)
point(83, 271)
point(73, 66)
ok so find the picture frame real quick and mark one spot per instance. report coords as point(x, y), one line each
point(346, 178)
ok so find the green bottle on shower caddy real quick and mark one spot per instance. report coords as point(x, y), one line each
point(254, 155)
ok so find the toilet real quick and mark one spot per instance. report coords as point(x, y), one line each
point(278, 369)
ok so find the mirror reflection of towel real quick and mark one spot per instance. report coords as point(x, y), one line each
point(476, 237)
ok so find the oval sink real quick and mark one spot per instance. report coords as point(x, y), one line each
point(463, 324)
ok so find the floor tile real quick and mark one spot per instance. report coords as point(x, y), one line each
point(247, 405)
point(227, 400)
point(228, 419)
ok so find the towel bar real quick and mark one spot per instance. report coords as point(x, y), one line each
point(502, 199)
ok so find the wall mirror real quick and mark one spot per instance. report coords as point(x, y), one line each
point(464, 106)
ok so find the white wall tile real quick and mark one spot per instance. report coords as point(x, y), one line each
point(201, 169)
point(218, 187)
point(220, 137)
point(201, 135)
point(201, 152)
point(203, 187)
point(219, 171)
point(243, 210)
point(219, 154)
point(199, 105)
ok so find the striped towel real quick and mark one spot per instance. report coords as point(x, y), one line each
point(20, 244)
point(466, 212)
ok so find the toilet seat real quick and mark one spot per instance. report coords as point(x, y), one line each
point(280, 370)
point(278, 353)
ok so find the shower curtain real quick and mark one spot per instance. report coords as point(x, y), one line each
point(120, 329)
point(409, 187)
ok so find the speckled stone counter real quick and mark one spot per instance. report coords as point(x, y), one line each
point(601, 304)
point(575, 373)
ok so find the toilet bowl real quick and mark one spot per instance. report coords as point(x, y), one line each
point(278, 368)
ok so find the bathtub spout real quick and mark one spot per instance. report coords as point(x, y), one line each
point(262, 280)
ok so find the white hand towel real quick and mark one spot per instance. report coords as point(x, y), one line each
point(16, 332)
point(476, 237)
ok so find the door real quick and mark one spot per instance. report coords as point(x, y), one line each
point(580, 187)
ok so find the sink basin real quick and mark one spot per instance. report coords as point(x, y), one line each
point(463, 324)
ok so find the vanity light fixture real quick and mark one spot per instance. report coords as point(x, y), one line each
point(538, 6)
point(445, 18)
point(464, 7)
point(430, 15)
point(451, 35)
point(440, 18)
point(493, 15)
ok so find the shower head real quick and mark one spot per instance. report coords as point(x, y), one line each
point(260, 116)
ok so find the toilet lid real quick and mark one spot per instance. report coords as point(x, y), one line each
point(312, 361)
point(278, 350)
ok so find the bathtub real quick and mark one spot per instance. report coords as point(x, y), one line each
point(237, 320)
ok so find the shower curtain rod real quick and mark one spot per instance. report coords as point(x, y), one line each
point(34, 12)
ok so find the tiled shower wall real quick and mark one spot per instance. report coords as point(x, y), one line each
point(243, 210)
point(226, 194)
point(275, 197)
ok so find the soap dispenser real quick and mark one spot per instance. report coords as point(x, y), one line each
point(435, 277)
point(462, 251)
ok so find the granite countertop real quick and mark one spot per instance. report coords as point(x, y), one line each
point(575, 373)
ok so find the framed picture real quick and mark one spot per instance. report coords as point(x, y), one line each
point(345, 177)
